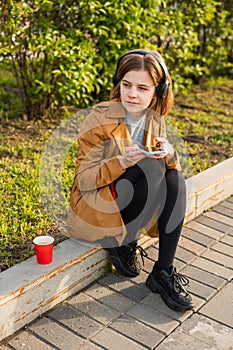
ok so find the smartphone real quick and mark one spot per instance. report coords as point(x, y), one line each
point(154, 152)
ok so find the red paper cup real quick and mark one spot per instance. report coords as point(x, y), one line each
point(44, 249)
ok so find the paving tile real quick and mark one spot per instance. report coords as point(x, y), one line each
point(208, 231)
point(179, 340)
point(222, 259)
point(152, 253)
point(220, 307)
point(213, 223)
point(223, 248)
point(227, 204)
point(189, 245)
point(229, 231)
point(94, 309)
point(27, 341)
point(198, 237)
point(228, 211)
point(218, 336)
point(149, 264)
point(201, 290)
point(184, 255)
point(211, 266)
point(3, 347)
point(141, 278)
point(227, 240)
point(153, 318)
point(125, 287)
point(87, 345)
point(219, 217)
point(109, 297)
point(137, 331)
point(204, 277)
point(230, 199)
point(55, 334)
point(134, 292)
point(75, 320)
point(109, 339)
point(179, 265)
point(154, 301)
point(198, 302)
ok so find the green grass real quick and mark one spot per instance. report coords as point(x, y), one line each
point(203, 119)
point(22, 214)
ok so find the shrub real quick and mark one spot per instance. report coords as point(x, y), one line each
point(64, 52)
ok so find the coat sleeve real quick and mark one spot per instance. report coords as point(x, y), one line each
point(93, 169)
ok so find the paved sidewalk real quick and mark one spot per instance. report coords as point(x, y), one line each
point(116, 313)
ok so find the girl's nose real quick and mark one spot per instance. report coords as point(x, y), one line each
point(133, 91)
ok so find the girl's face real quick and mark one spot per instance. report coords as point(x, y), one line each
point(136, 91)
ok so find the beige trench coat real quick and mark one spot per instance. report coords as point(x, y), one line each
point(93, 214)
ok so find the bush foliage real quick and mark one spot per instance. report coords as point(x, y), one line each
point(63, 52)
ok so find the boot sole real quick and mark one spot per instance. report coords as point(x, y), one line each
point(155, 287)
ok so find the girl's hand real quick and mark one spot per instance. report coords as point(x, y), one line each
point(163, 144)
point(132, 155)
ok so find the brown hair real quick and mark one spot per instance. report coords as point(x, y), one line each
point(148, 63)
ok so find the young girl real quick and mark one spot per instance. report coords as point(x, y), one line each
point(128, 179)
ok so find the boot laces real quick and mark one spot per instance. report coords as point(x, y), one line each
point(133, 250)
point(180, 281)
point(142, 253)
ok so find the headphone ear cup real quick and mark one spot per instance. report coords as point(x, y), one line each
point(115, 78)
point(162, 89)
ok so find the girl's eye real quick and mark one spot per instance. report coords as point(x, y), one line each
point(125, 84)
point(142, 88)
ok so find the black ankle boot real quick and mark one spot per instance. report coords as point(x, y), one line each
point(170, 286)
point(125, 260)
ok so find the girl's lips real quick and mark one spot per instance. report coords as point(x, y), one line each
point(131, 103)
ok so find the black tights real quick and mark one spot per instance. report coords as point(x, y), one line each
point(149, 187)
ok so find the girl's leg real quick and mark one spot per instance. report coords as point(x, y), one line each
point(171, 219)
point(137, 189)
point(164, 278)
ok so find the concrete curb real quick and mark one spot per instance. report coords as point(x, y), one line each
point(27, 290)
point(209, 188)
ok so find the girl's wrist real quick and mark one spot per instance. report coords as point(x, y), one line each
point(122, 163)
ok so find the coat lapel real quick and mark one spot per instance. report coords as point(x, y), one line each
point(151, 132)
point(121, 133)
point(122, 137)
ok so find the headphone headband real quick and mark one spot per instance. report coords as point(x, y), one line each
point(164, 83)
